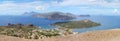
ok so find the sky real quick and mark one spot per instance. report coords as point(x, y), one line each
point(77, 7)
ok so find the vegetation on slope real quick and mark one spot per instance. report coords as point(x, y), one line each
point(28, 31)
point(77, 24)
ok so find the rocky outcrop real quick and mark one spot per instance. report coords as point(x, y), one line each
point(19, 25)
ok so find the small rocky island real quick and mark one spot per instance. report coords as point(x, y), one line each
point(76, 24)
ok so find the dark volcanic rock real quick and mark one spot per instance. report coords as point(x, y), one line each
point(20, 26)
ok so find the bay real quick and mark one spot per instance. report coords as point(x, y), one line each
point(107, 22)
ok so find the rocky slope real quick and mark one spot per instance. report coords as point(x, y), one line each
point(103, 35)
point(30, 31)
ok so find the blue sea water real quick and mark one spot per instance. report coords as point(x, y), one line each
point(107, 22)
point(40, 22)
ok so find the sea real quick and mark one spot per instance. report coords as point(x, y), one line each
point(107, 22)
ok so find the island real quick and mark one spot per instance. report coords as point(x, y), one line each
point(76, 24)
point(29, 13)
point(55, 16)
point(84, 15)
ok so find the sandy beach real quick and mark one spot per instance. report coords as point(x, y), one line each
point(102, 35)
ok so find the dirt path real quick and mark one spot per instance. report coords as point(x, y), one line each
point(105, 35)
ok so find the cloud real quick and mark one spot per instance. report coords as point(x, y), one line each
point(8, 7)
point(40, 8)
point(12, 7)
point(102, 3)
point(115, 11)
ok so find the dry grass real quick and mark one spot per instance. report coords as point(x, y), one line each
point(104, 35)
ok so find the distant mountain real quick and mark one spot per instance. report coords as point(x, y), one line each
point(84, 15)
point(30, 13)
point(55, 16)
